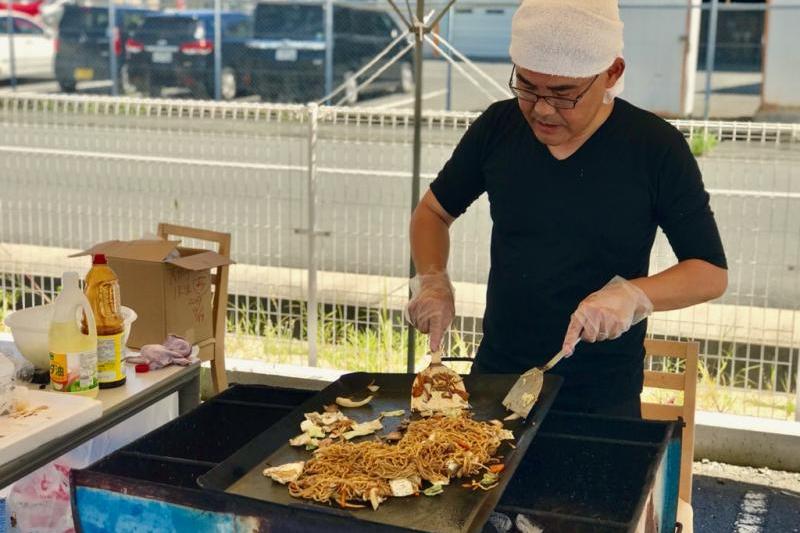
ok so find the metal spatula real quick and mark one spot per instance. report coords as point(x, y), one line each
point(523, 395)
point(438, 388)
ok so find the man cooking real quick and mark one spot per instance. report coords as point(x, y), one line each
point(577, 180)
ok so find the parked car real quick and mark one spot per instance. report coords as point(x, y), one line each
point(33, 48)
point(177, 50)
point(286, 57)
point(82, 50)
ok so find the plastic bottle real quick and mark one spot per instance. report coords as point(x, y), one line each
point(73, 353)
point(102, 291)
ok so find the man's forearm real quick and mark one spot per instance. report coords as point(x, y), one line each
point(688, 283)
point(430, 238)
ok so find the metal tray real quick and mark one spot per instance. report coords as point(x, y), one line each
point(456, 510)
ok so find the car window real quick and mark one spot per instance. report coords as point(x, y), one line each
point(3, 25)
point(289, 21)
point(374, 23)
point(131, 21)
point(163, 26)
point(342, 19)
point(84, 18)
point(26, 27)
point(239, 28)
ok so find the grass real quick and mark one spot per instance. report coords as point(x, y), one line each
point(703, 144)
point(718, 391)
point(378, 346)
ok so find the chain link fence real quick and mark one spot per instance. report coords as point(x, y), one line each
point(318, 202)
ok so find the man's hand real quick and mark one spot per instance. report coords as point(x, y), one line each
point(432, 306)
point(607, 313)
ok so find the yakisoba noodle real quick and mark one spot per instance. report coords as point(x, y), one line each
point(432, 449)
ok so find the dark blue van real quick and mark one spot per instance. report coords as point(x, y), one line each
point(286, 57)
point(82, 45)
point(176, 49)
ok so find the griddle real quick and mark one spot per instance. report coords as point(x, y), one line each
point(456, 510)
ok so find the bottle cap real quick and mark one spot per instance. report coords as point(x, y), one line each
point(99, 259)
point(142, 367)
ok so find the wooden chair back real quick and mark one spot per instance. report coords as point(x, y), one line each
point(219, 281)
point(684, 381)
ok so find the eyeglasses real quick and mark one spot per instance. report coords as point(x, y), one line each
point(559, 102)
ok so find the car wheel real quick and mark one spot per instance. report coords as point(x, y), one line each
point(406, 84)
point(228, 89)
point(125, 85)
point(67, 86)
point(350, 88)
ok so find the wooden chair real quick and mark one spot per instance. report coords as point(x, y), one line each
point(686, 382)
point(219, 281)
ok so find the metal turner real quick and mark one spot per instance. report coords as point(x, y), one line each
point(523, 395)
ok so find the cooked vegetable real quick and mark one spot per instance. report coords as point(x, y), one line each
point(402, 487)
point(363, 429)
point(433, 490)
point(285, 473)
point(347, 402)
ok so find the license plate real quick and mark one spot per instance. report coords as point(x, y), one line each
point(162, 57)
point(286, 54)
point(82, 74)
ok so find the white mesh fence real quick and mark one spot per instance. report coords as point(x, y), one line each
point(78, 170)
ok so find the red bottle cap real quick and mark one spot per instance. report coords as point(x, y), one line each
point(99, 259)
point(142, 368)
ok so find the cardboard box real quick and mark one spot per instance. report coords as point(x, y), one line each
point(170, 294)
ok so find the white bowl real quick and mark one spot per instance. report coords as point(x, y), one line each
point(30, 326)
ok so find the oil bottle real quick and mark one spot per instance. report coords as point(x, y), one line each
point(73, 353)
point(102, 291)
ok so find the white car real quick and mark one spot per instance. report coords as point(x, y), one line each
point(33, 48)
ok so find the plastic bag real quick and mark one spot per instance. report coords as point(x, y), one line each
point(23, 369)
point(39, 503)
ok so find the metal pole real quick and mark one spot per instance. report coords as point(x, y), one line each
point(11, 55)
point(113, 36)
point(449, 101)
point(311, 315)
point(415, 181)
point(328, 47)
point(711, 49)
point(217, 49)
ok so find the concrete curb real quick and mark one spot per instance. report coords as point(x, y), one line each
point(747, 441)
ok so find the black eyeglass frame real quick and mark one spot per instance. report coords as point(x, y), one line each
point(557, 102)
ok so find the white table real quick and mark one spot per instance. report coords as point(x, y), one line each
point(139, 392)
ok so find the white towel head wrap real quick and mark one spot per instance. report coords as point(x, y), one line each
point(572, 38)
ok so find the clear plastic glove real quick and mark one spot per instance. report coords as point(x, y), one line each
point(432, 306)
point(608, 313)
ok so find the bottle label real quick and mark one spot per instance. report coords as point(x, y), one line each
point(73, 371)
point(109, 358)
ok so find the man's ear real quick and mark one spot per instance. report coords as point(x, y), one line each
point(614, 72)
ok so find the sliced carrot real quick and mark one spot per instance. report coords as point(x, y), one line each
point(496, 469)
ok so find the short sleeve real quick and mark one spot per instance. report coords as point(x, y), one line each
point(683, 209)
point(461, 180)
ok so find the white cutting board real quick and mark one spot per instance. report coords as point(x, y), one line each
point(47, 415)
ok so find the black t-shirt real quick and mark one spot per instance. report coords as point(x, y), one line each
point(563, 228)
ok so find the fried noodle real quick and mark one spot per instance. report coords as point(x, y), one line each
point(432, 449)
